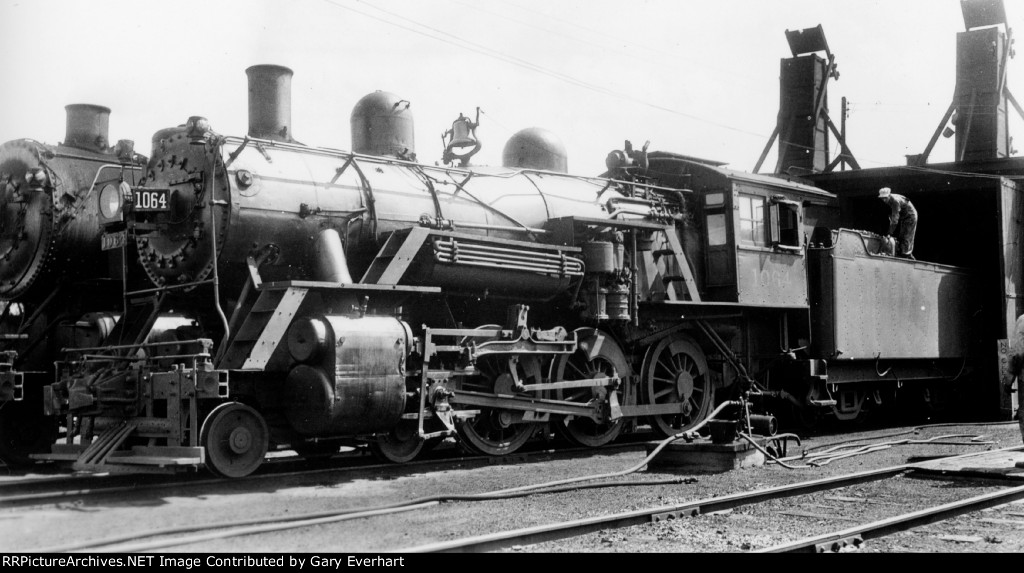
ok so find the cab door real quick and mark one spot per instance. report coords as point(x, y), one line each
point(719, 245)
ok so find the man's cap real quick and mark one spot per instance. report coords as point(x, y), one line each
point(884, 192)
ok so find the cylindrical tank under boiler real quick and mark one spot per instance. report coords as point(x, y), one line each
point(382, 124)
point(351, 375)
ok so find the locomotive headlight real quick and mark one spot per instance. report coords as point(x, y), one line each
point(111, 202)
point(36, 178)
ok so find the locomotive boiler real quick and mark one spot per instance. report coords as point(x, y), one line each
point(55, 277)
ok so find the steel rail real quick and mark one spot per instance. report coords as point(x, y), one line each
point(563, 530)
point(555, 531)
point(61, 488)
point(855, 536)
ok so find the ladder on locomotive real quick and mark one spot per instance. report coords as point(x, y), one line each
point(266, 321)
point(665, 268)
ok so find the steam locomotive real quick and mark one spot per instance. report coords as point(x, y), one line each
point(328, 297)
point(56, 289)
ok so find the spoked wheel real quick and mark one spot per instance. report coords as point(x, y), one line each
point(236, 438)
point(676, 372)
point(598, 356)
point(494, 431)
point(402, 444)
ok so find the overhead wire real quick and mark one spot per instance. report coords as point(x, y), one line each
point(535, 17)
point(594, 31)
point(457, 41)
point(453, 39)
point(533, 24)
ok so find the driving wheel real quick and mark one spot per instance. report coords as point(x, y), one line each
point(494, 431)
point(676, 372)
point(597, 356)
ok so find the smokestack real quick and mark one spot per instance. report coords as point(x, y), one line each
point(88, 126)
point(270, 102)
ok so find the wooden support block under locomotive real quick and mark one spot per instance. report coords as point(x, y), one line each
point(276, 295)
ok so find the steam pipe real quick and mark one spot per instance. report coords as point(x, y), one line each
point(330, 257)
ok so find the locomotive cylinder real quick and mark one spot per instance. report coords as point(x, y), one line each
point(358, 383)
point(270, 102)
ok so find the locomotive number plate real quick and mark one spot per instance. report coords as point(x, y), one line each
point(152, 200)
point(116, 240)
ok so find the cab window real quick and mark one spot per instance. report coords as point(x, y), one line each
point(785, 224)
point(752, 228)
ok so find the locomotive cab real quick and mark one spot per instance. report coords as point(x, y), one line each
point(753, 246)
point(748, 236)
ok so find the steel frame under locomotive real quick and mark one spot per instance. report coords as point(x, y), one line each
point(489, 304)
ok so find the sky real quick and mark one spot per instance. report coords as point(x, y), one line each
point(699, 78)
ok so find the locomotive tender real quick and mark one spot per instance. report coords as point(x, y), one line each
point(359, 296)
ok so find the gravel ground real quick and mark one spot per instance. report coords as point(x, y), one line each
point(741, 529)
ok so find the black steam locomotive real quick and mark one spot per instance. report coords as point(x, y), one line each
point(56, 287)
point(328, 297)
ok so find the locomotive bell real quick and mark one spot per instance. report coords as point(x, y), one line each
point(463, 137)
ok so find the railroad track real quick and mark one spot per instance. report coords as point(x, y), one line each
point(78, 487)
point(857, 535)
point(828, 542)
point(160, 538)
